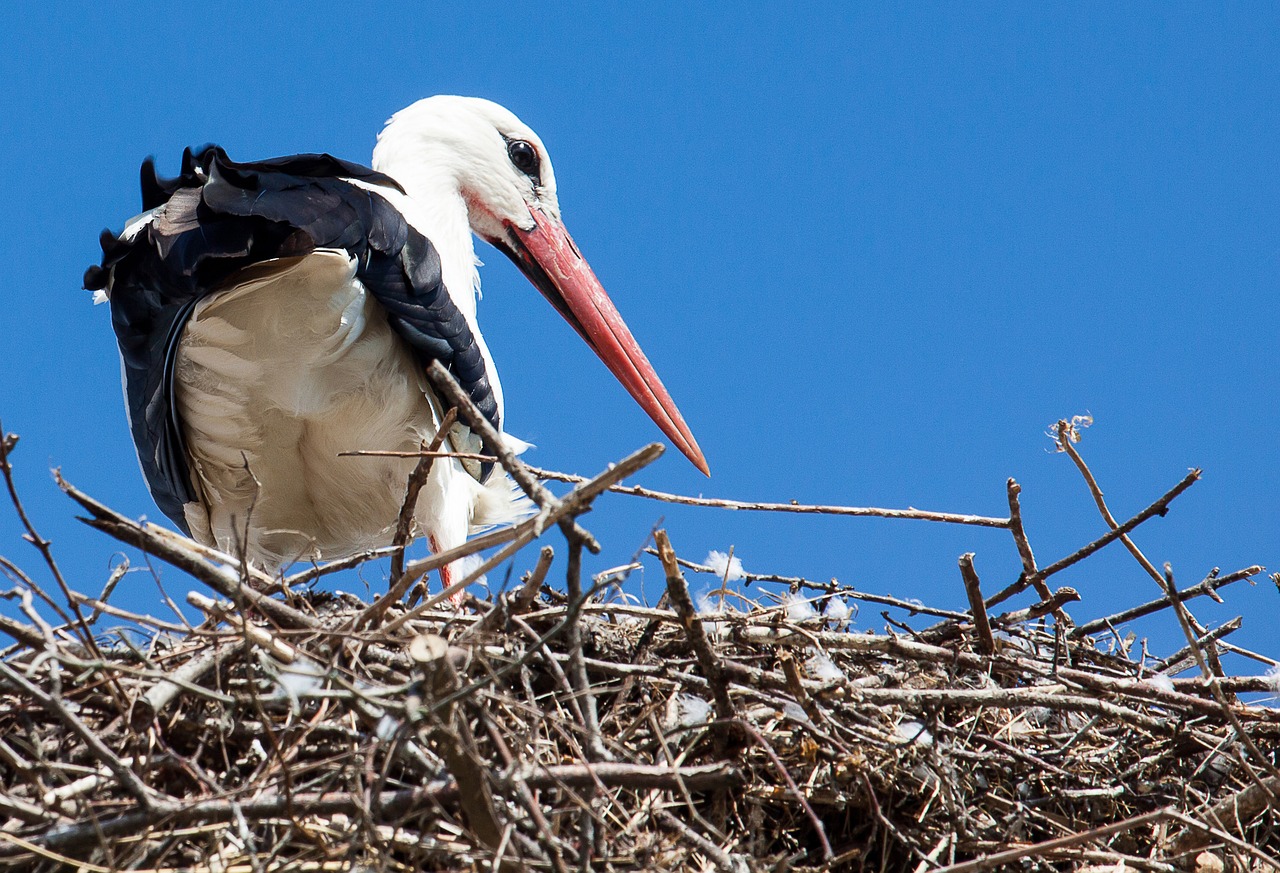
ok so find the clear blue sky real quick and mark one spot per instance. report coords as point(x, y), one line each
point(873, 253)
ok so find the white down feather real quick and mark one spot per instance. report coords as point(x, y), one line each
point(275, 377)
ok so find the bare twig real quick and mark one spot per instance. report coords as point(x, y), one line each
point(443, 380)
point(577, 668)
point(1160, 507)
point(678, 590)
point(7, 443)
point(1206, 587)
point(418, 478)
point(1020, 535)
point(519, 602)
point(999, 859)
point(575, 502)
point(189, 556)
point(803, 508)
point(1212, 678)
point(1180, 659)
point(1066, 442)
point(973, 588)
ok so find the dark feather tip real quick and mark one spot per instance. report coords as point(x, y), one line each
point(153, 192)
point(95, 278)
point(108, 240)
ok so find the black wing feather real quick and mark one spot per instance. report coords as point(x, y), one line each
point(219, 217)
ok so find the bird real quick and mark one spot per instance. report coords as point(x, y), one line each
point(273, 314)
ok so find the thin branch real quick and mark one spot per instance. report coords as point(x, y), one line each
point(973, 589)
point(831, 588)
point(1178, 661)
point(7, 444)
point(1205, 587)
point(1160, 507)
point(1066, 441)
point(519, 602)
point(1020, 535)
point(1211, 678)
point(1033, 850)
point(575, 502)
point(577, 669)
point(190, 557)
point(418, 478)
point(678, 590)
point(444, 382)
point(803, 508)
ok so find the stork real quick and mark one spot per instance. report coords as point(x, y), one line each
point(274, 314)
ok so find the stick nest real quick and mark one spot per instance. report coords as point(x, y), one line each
point(301, 730)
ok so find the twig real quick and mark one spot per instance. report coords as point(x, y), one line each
point(678, 590)
point(444, 382)
point(417, 569)
point(189, 556)
point(1176, 662)
point(973, 589)
point(575, 502)
point(1066, 440)
point(752, 506)
point(596, 750)
point(519, 602)
point(999, 859)
point(1054, 604)
point(316, 571)
point(117, 573)
point(1020, 539)
point(427, 452)
point(831, 588)
point(1207, 586)
point(277, 648)
point(1211, 679)
point(413, 487)
point(160, 695)
point(1160, 507)
point(7, 443)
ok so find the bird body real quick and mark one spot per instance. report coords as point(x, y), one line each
point(272, 315)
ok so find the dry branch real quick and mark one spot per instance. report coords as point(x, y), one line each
point(326, 733)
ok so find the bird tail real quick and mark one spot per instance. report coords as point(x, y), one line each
point(500, 501)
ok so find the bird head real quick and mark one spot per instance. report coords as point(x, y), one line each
point(482, 154)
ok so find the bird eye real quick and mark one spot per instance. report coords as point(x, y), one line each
point(524, 156)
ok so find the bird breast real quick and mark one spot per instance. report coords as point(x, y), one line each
point(275, 377)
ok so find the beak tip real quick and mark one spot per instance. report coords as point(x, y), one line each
point(699, 460)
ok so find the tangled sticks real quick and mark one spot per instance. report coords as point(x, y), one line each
point(294, 729)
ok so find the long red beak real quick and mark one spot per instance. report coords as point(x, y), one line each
point(548, 256)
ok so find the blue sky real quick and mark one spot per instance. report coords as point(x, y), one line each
point(873, 254)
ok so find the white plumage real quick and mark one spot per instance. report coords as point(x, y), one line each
point(295, 358)
point(278, 376)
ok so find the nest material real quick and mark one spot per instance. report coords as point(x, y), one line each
point(305, 731)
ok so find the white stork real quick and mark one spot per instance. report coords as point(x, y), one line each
point(271, 315)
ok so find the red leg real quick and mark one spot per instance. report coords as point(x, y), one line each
point(446, 572)
point(446, 575)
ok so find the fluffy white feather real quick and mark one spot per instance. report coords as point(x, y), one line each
point(277, 377)
point(727, 567)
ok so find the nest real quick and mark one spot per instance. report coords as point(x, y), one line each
point(541, 729)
